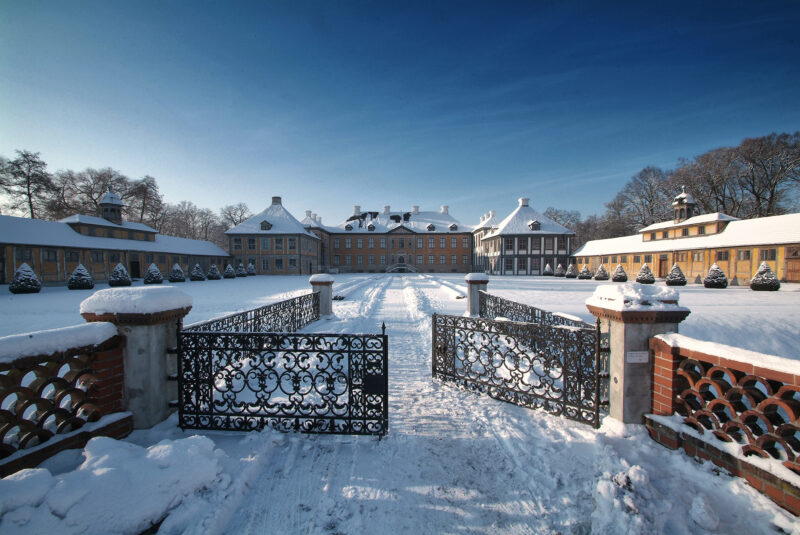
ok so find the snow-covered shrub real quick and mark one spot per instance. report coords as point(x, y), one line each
point(153, 275)
point(177, 275)
point(548, 271)
point(240, 271)
point(559, 272)
point(765, 280)
point(119, 276)
point(619, 274)
point(213, 273)
point(80, 279)
point(675, 276)
point(229, 273)
point(251, 269)
point(601, 274)
point(715, 278)
point(572, 272)
point(197, 273)
point(645, 276)
point(585, 274)
point(24, 281)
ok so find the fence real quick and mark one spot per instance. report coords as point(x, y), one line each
point(285, 316)
point(492, 306)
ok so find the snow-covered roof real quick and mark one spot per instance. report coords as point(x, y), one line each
point(488, 220)
point(522, 221)
point(779, 229)
point(422, 222)
point(24, 231)
point(100, 222)
point(683, 198)
point(696, 220)
point(111, 198)
point(312, 220)
point(274, 220)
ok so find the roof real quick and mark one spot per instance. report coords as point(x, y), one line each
point(100, 222)
point(775, 230)
point(421, 222)
point(111, 198)
point(279, 221)
point(696, 220)
point(313, 221)
point(487, 221)
point(518, 222)
point(683, 198)
point(37, 232)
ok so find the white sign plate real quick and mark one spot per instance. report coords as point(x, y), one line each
point(637, 357)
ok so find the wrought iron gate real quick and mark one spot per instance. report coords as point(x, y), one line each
point(557, 368)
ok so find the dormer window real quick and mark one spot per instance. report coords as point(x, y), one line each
point(348, 227)
point(370, 227)
point(431, 227)
point(453, 226)
point(534, 225)
point(266, 225)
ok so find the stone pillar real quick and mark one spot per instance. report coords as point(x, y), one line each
point(149, 318)
point(636, 312)
point(323, 285)
point(476, 282)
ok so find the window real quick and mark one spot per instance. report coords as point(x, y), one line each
point(348, 260)
point(652, 235)
point(522, 243)
point(148, 259)
point(336, 260)
point(465, 242)
point(50, 255)
point(431, 227)
point(509, 264)
point(604, 260)
point(442, 259)
point(442, 243)
point(744, 254)
point(392, 240)
point(465, 259)
point(336, 244)
point(767, 254)
point(279, 246)
point(613, 259)
point(562, 242)
point(266, 225)
point(174, 259)
point(360, 243)
point(453, 243)
point(371, 227)
point(279, 264)
point(237, 244)
point(292, 244)
point(348, 227)
point(648, 259)
point(131, 235)
point(701, 230)
point(265, 263)
point(112, 257)
point(722, 256)
point(348, 243)
point(419, 243)
point(97, 256)
point(383, 259)
point(73, 256)
point(548, 244)
point(665, 234)
point(383, 243)
point(431, 243)
point(637, 259)
point(419, 259)
point(685, 232)
point(265, 244)
point(536, 244)
point(292, 263)
point(92, 231)
point(371, 243)
point(623, 259)
point(431, 259)
point(697, 257)
point(454, 259)
point(360, 260)
point(371, 260)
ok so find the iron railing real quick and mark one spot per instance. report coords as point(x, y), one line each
point(313, 383)
point(492, 307)
point(556, 368)
point(290, 315)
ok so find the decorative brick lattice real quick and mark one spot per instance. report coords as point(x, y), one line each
point(47, 395)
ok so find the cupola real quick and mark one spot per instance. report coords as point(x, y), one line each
point(111, 207)
point(684, 206)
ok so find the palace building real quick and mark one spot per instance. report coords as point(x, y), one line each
point(55, 248)
point(523, 243)
point(695, 242)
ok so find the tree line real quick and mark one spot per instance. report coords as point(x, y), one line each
point(760, 177)
point(29, 189)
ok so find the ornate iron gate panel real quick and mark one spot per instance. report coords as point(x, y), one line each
point(552, 367)
point(313, 383)
point(284, 316)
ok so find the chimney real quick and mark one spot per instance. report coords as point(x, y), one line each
point(415, 210)
point(387, 209)
point(523, 201)
point(445, 209)
point(308, 213)
point(318, 219)
point(356, 209)
point(276, 200)
point(491, 214)
point(314, 217)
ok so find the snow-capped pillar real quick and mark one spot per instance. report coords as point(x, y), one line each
point(476, 283)
point(323, 285)
point(635, 312)
point(149, 318)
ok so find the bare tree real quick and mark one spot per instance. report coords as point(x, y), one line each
point(26, 182)
point(144, 201)
point(770, 167)
point(233, 214)
point(645, 198)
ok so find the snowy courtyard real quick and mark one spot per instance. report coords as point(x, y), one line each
point(452, 461)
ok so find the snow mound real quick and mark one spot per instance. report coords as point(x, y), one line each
point(634, 296)
point(55, 340)
point(137, 300)
point(119, 488)
point(703, 514)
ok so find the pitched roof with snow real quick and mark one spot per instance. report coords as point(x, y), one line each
point(274, 220)
point(111, 198)
point(314, 221)
point(100, 222)
point(416, 221)
point(775, 230)
point(37, 232)
point(488, 221)
point(696, 220)
point(522, 221)
point(683, 198)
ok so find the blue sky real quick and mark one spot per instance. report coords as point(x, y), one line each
point(331, 104)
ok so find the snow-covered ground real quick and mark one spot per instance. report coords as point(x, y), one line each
point(452, 462)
